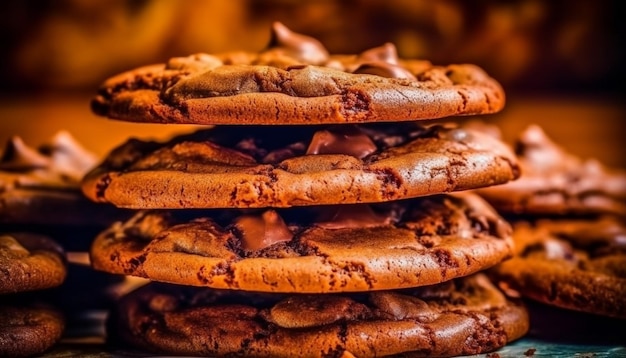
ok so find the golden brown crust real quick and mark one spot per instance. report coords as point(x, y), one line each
point(268, 166)
point(27, 330)
point(573, 264)
point(465, 316)
point(427, 241)
point(30, 262)
point(292, 83)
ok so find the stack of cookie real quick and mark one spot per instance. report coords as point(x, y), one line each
point(43, 215)
point(313, 214)
point(29, 262)
point(569, 229)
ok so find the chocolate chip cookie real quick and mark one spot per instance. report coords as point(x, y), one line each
point(310, 249)
point(555, 182)
point(574, 264)
point(461, 317)
point(283, 166)
point(294, 80)
point(30, 262)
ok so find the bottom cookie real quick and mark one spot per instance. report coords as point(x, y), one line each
point(463, 316)
point(28, 329)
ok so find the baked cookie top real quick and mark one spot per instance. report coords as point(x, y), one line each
point(30, 262)
point(41, 186)
point(28, 329)
point(461, 317)
point(555, 182)
point(283, 166)
point(338, 248)
point(294, 80)
point(573, 264)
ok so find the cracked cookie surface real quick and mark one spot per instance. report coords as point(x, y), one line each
point(283, 166)
point(294, 80)
point(461, 317)
point(310, 249)
point(573, 264)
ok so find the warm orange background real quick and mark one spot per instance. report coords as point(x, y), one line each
point(559, 61)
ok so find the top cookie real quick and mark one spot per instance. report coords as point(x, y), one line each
point(294, 80)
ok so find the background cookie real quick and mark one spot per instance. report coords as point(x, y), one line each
point(41, 186)
point(28, 329)
point(30, 262)
point(555, 182)
point(467, 316)
point(251, 166)
point(314, 249)
point(295, 81)
point(575, 264)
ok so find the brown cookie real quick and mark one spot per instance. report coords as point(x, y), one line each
point(282, 166)
point(30, 262)
point(28, 329)
point(41, 186)
point(573, 264)
point(555, 182)
point(464, 316)
point(311, 249)
point(294, 80)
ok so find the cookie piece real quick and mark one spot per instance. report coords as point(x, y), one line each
point(295, 81)
point(465, 316)
point(28, 329)
point(555, 182)
point(41, 186)
point(310, 249)
point(30, 262)
point(574, 264)
point(283, 166)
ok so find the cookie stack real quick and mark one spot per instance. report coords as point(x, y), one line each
point(569, 228)
point(43, 215)
point(312, 215)
point(29, 263)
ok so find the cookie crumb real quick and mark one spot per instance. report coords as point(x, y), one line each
point(492, 355)
point(530, 352)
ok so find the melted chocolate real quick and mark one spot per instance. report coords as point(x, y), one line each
point(19, 157)
point(60, 161)
point(302, 47)
point(345, 141)
point(261, 231)
point(385, 53)
point(384, 69)
point(542, 152)
point(350, 217)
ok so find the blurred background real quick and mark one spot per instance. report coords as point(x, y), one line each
point(560, 62)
